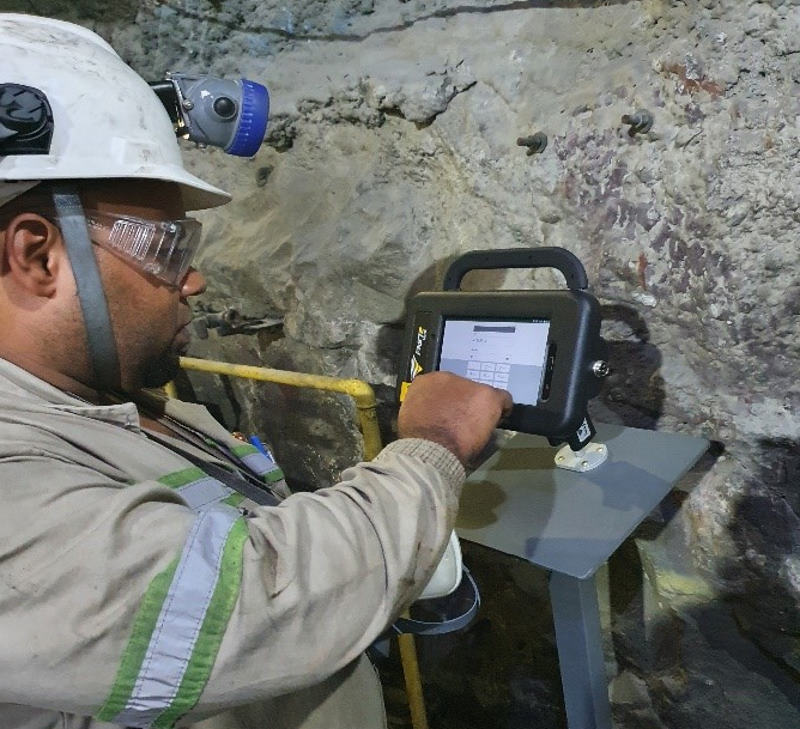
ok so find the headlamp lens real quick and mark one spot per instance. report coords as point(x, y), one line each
point(163, 248)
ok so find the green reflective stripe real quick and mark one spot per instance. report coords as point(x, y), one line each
point(192, 620)
point(144, 623)
point(234, 499)
point(212, 630)
point(245, 449)
point(196, 487)
point(272, 476)
point(259, 463)
point(182, 477)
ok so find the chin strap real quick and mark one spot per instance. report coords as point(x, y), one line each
point(96, 319)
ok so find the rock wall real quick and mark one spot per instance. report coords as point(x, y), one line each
point(392, 148)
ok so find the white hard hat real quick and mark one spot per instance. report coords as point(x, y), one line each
point(107, 121)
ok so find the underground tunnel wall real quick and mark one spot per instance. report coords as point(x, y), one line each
point(392, 149)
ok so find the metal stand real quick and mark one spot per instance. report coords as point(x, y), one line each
point(576, 616)
point(571, 522)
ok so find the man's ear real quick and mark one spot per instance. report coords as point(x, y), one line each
point(33, 251)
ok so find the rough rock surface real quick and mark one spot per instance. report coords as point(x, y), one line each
point(392, 148)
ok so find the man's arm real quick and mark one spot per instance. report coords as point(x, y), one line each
point(122, 603)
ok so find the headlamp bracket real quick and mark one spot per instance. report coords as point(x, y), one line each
point(26, 120)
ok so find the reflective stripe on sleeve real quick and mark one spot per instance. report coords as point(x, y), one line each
point(203, 492)
point(258, 463)
point(179, 626)
point(196, 488)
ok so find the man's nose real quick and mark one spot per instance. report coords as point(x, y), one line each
point(193, 283)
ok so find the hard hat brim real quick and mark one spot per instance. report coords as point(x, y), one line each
point(198, 194)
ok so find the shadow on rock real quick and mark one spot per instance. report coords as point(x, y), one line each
point(714, 652)
point(634, 391)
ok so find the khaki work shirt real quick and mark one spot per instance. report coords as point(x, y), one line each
point(137, 591)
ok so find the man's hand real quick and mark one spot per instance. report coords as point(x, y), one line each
point(452, 411)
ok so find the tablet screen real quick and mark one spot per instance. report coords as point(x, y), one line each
point(506, 354)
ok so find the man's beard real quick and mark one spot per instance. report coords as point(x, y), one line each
point(161, 370)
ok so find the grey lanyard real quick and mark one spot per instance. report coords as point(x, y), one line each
point(239, 479)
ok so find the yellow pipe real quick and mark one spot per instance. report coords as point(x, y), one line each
point(360, 391)
point(366, 404)
point(416, 700)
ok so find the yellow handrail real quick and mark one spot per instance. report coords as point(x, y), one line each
point(361, 392)
point(366, 404)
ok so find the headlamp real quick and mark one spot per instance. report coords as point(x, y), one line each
point(216, 112)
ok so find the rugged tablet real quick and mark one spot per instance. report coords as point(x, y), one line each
point(542, 346)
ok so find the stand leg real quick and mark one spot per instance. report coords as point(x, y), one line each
point(580, 651)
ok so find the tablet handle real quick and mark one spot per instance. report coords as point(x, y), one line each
point(559, 258)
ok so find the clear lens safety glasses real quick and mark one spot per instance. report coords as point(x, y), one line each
point(163, 248)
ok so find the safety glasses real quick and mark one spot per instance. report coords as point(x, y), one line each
point(163, 248)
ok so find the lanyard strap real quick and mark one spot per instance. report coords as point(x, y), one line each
point(238, 479)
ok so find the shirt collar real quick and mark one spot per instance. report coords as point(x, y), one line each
point(17, 383)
